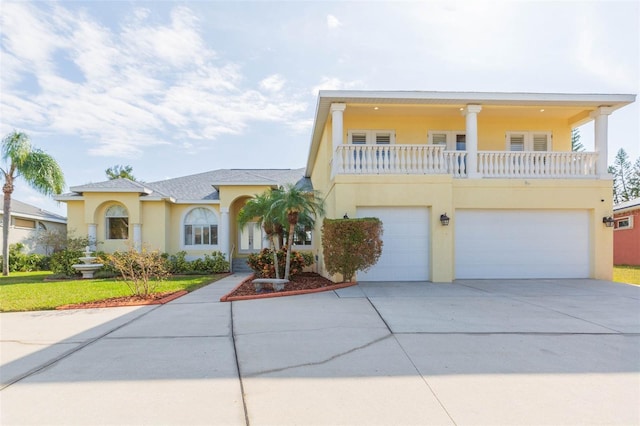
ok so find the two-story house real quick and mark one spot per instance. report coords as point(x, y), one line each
point(468, 185)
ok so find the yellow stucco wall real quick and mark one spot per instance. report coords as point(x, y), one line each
point(491, 129)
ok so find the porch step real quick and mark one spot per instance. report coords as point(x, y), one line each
point(240, 265)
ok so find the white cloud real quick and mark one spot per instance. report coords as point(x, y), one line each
point(135, 86)
point(333, 22)
point(334, 83)
point(273, 83)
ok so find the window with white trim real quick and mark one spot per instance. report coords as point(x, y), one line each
point(529, 141)
point(200, 228)
point(117, 223)
point(452, 140)
point(622, 223)
point(371, 137)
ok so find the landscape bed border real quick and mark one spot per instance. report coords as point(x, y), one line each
point(228, 298)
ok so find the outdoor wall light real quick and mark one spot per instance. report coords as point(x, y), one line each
point(608, 221)
point(345, 216)
point(444, 219)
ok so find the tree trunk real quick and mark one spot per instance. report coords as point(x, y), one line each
point(287, 266)
point(6, 221)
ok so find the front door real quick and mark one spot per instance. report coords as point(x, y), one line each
point(250, 238)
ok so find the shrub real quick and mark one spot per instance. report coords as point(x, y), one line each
point(262, 263)
point(178, 263)
point(216, 263)
point(351, 245)
point(22, 262)
point(62, 261)
point(141, 271)
point(210, 264)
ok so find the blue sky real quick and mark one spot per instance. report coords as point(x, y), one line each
point(176, 88)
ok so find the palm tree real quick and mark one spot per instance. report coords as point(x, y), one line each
point(38, 169)
point(292, 203)
point(259, 209)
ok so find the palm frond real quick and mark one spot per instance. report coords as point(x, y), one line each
point(16, 147)
point(42, 173)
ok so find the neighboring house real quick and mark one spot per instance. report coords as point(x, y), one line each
point(626, 235)
point(499, 166)
point(194, 213)
point(27, 221)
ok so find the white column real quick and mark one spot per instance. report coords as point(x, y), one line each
point(225, 235)
point(471, 138)
point(601, 130)
point(92, 233)
point(337, 131)
point(137, 236)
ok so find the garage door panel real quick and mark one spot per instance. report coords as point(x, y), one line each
point(522, 244)
point(405, 252)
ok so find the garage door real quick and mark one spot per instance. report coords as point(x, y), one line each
point(405, 253)
point(522, 244)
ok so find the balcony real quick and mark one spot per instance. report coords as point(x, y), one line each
point(434, 159)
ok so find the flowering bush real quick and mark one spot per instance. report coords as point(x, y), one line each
point(262, 263)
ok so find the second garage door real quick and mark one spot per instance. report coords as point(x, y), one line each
point(405, 253)
point(522, 244)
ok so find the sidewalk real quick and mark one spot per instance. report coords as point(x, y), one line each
point(473, 352)
point(161, 364)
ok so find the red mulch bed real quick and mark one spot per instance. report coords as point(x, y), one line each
point(153, 299)
point(306, 282)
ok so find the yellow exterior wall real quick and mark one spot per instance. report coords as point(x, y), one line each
point(491, 129)
point(155, 215)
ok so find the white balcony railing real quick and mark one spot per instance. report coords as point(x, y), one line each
point(433, 159)
point(398, 159)
point(537, 164)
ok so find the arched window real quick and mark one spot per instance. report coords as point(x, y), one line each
point(117, 223)
point(200, 228)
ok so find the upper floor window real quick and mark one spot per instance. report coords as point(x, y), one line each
point(371, 137)
point(24, 223)
point(117, 223)
point(624, 222)
point(200, 227)
point(528, 141)
point(451, 140)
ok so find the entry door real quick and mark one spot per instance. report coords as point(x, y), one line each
point(250, 238)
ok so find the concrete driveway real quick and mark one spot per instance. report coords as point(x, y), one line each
point(473, 352)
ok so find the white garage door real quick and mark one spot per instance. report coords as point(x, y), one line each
point(405, 253)
point(522, 244)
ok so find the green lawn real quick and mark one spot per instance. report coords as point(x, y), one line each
point(627, 274)
point(27, 291)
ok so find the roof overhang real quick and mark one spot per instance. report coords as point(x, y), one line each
point(83, 190)
point(627, 206)
point(588, 102)
point(267, 184)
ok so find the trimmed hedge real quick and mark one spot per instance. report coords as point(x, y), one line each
point(351, 245)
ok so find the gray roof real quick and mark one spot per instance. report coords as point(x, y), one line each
point(627, 204)
point(120, 185)
point(18, 208)
point(201, 186)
